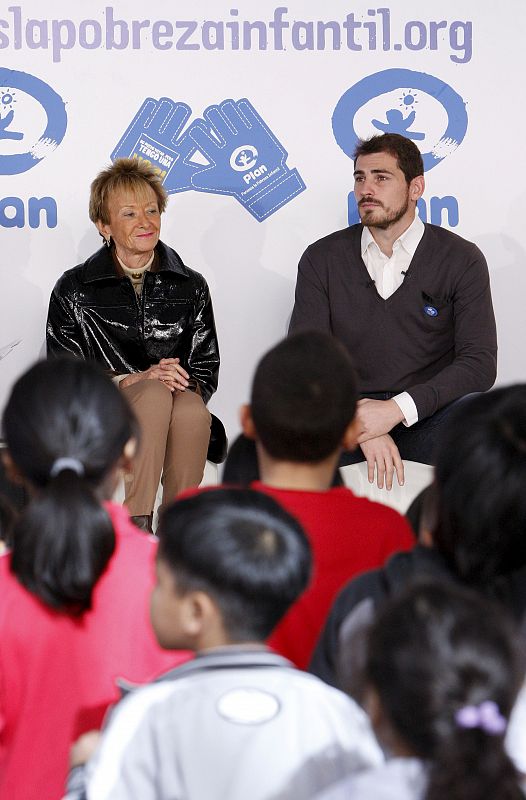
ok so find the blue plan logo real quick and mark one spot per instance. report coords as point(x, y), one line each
point(230, 150)
point(414, 104)
point(244, 158)
point(33, 121)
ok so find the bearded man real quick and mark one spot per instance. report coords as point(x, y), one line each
point(410, 301)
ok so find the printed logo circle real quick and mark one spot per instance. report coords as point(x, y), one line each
point(414, 87)
point(19, 115)
point(248, 706)
point(244, 158)
point(431, 311)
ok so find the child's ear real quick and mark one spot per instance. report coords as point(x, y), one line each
point(382, 726)
point(12, 472)
point(350, 437)
point(199, 609)
point(202, 622)
point(247, 423)
point(373, 706)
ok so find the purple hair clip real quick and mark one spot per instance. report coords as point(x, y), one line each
point(485, 716)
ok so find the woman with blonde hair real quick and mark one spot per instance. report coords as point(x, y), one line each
point(136, 309)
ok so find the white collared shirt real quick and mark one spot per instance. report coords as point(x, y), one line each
point(388, 274)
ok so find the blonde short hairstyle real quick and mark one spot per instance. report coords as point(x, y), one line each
point(128, 174)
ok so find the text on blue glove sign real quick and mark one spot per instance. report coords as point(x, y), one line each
point(243, 157)
point(147, 150)
point(155, 135)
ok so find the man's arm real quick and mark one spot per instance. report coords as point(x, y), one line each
point(474, 367)
point(203, 360)
point(311, 304)
point(312, 311)
point(377, 417)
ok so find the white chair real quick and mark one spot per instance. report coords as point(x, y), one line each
point(417, 477)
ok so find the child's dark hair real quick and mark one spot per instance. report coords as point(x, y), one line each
point(66, 425)
point(480, 486)
point(240, 547)
point(303, 397)
point(444, 665)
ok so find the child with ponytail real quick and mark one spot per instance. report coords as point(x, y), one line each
point(441, 677)
point(75, 587)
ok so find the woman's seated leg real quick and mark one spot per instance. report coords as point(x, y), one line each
point(151, 402)
point(187, 444)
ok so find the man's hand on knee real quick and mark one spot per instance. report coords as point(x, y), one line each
point(382, 453)
point(377, 417)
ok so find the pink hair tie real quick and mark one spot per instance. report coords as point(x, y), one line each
point(485, 716)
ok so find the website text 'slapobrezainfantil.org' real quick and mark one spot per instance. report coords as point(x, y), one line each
point(375, 29)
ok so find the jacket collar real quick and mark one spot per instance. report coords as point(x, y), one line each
point(100, 266)
point(228, 658)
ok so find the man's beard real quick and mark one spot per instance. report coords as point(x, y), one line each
point(389, 218)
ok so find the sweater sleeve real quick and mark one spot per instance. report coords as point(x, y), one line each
point(311, 303)
point(474, 366)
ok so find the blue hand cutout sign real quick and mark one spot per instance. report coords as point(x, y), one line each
point(247, 161)
point(244, 158)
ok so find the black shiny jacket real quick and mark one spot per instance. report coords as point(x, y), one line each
point(95, 314)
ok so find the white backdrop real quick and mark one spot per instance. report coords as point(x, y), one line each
point(103, 64)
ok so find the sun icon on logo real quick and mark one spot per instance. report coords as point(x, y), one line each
point(7, 98)
point(408, 99)
point(7, 113)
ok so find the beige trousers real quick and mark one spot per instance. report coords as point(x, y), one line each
point(175, 433)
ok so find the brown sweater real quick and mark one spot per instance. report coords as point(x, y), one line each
point(395, 345)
